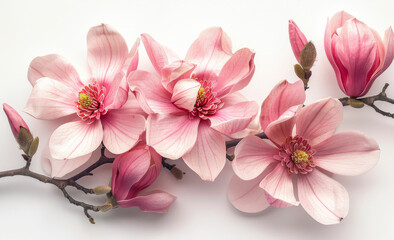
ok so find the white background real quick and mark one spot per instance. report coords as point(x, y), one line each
point(30, 209)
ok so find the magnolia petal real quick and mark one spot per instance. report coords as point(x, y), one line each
point(210, 51)
point(185, 93)
point(283, 96)
point(252, 156)
point(347, 153)
point(107, 53)
point(323, 198)
point(332, 25)
point(131, 62)
point(234, 118)
point(297, 39)
point(175, 71)
point(150, 93)
point(75, 139)
point(14, 119)
point(171, 135)
point(55, 67)
point(278, 130)
point(247, 196)
point(279, 185)
point(159, 55)
point(58, 168)
point(122, 130)
point(318, 121)
point(155, 201)
point(236, 73)
point(128, 169)
point(51, 99)
point(208, 156)
point(276, 202)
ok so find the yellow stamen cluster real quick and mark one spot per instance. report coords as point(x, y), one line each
point(201, 94)
point(299, 156)
point(85, 100)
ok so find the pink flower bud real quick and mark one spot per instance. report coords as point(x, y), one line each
point(15, 120)
point(134, 171)
point(297, 39)
point(357, 53)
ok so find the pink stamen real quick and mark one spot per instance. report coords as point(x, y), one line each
point(90, 103)
point(207, 103)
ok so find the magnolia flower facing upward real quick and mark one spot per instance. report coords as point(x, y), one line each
point(193, 103)
point(357, 53)
point(134, 171)
point(97, 103)
point(265, 169)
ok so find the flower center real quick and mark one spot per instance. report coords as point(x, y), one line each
point(296, 154)
point(90, 103)
point(206, 103)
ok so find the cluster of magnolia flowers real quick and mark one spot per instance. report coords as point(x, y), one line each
point(191, 109)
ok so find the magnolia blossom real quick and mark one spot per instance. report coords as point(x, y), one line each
point(357, 53)
point(97, 103)
point(297, 39)
point(265, 169)
point(193, 103)
point(134, 171)
point(15, 120)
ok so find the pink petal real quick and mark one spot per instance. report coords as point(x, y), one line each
point(297, 39)
point(247, 196)
point(283, 96)
point(175, 71)
point(122, 130)
point(279, 185)
point(14, 119)
point(75, 139)
point(150, 93)
point(159, 55)
point(278, 130)
point(318, 121)
point(58, 168)
point(236, 73)
point(276, 202)
point(387, 56)
point(210, 52)
point(208, 156)
point(55, 67)
point(326, 200)
point(131, 62)
point(347, 153)
point(128, 169)
point(252, 157)
point(234, 118)
point(356, 48)
point(107, 53)
point(51, 99)
point(332, 25)
point(155, 201)
point(171, 135)
point(185, 93)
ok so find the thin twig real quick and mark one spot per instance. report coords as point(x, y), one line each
point(370, 101)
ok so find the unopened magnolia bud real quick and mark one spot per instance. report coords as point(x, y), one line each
point(106, 207)
point(33, 147)
point(101, 190)
point(24, 139)
point(178, 174)
point(308, 56)
point(355, 103)
point(91, 220)
point(299, 71)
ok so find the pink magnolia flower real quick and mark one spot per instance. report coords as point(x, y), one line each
point(97, 103)
point(15, 120)
point(134, 171)
point(357, 53)
point(265, 169)
point(297, 39)
point(193, 103)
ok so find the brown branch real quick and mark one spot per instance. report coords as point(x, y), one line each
point(370, 101)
